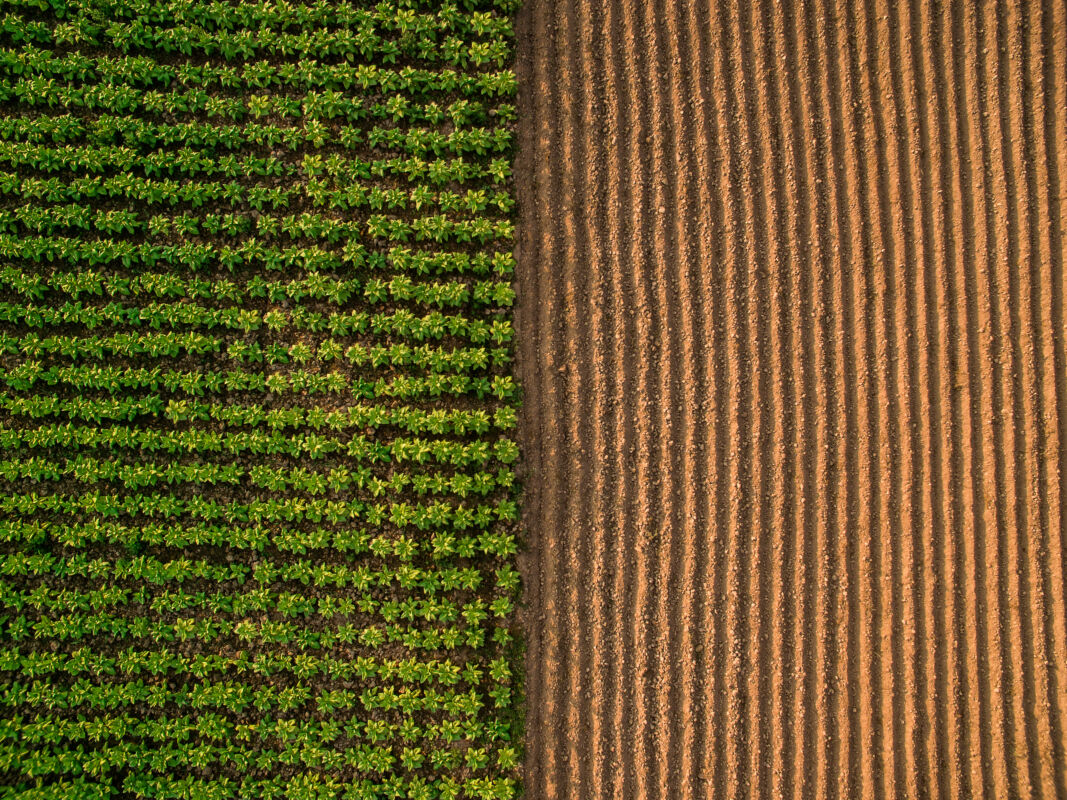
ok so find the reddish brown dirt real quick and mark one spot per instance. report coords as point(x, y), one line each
point(793, 347)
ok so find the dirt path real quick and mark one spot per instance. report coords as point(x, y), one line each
point(796, 398)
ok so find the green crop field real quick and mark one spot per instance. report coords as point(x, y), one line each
point(258, 514)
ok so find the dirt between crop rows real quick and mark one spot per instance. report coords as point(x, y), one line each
point(793, 351)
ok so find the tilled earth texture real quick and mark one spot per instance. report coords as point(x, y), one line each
point(792, 347)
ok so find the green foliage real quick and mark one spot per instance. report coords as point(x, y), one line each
point(257, 488)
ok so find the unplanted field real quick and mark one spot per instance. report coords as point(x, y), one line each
point(792, 346)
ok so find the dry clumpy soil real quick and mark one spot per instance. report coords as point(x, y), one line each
point(793, 349)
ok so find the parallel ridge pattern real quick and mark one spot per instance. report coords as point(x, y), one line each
point(791, 313)
point(258, 515)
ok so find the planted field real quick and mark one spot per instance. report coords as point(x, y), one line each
point(257, 412)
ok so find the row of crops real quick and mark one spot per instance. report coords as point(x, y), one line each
point(258, 503)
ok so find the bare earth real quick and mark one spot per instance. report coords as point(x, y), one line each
point(793, 348)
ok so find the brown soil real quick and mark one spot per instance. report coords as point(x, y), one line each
point(793, 349)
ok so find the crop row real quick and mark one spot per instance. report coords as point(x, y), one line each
point(435, 360)
point(276, 441)
point(401, 323)
point(252, 137)
point(400, 289)
point(84, 469)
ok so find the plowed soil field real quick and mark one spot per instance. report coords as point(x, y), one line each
point(793, 352)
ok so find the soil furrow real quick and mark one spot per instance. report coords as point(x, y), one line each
point(820, 366)
point(950, 693)
point(759, 570)
point(804, 247)
point(574, 732)
point(1054, 92)
point(926, 535)
point(694, 232)
point(599, 440)
point(710, 749)
point(533, 195)
point(878, 600)
point(737, 668)
point(779, 616)
point(965, 490)
point(646, 459)
point(985, 516)
point(667, 453)
point(624, 275)
point(837, 619)
point(1046, 229)
point(1004, 370)
point(1030, 497)
point(678, 674)
point(558, 329)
